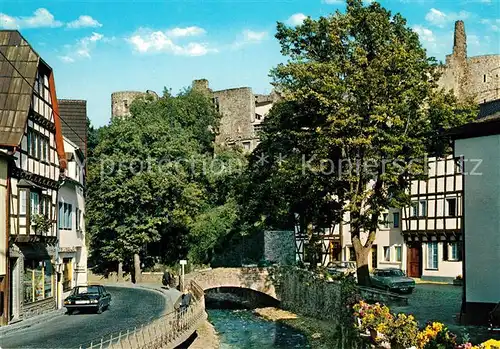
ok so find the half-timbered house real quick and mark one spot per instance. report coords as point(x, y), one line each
point(30, 134)
point(432, 224)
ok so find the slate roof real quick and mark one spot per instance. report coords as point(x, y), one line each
point(487, 123)
point(15, 92)
point(74, 127)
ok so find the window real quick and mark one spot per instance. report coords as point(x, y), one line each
point(60, 217)
point(385, 218)
point(387, 253)
point(38, 145)
point(399, 256)
point(423, 208)
point(452, 207)
point(432, 255)
point(395, 218)
point(65, 216)
point(414, 209)
point(352, 254)
point(35, 203)
point(246, 145)
point(37, 280)
point(22, 201)
point(125, 103)
point(453, 251)
point(484, 78)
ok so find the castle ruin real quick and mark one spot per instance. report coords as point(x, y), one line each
point(476, 77)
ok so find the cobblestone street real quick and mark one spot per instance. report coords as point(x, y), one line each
point(435, 302)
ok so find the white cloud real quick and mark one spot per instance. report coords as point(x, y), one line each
point(82, 48)
point(66, 59)
point(333, 2)
point(40, 18)
point(441, 19)
point(425, 34)
point(494, 24)
point(148, 41)
point(183, 32)
point(253, 36)
point(84, 22)
point(296, 19)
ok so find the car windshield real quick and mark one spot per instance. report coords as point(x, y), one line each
point(390, 273)
point(341, 265)
point(86, 290)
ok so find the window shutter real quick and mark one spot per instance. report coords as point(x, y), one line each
point(445, 251)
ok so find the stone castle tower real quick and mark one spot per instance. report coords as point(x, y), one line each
point(470, 77)
point(121, 101)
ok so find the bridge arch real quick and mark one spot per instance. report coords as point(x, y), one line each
point(253, 278)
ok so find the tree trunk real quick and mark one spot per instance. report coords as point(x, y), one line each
point(363, 271)
point(120, 272)
point(137, 268)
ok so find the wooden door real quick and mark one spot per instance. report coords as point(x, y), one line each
point(414, 265)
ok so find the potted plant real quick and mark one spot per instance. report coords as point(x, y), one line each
point(41, 224)
point(373, 319)
point(403, 332)
point(436, 336)
point(458, 281)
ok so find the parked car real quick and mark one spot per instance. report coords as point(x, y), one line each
point(339, 268)
point(92, 297)
point(392, 279)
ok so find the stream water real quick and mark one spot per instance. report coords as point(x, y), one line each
point(241, 329)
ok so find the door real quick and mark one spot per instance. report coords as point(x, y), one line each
point(374, 257)
point(414, 265)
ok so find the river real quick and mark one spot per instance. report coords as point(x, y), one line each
point(241, 329)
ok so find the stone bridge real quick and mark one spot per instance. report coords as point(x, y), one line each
point(253, 278)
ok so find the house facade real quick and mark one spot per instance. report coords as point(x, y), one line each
point(478, 144)
point(432, 224)
point(31, 138)
point(71, 224)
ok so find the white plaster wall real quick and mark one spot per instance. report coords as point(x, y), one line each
point(482, 218)
point(448, 269)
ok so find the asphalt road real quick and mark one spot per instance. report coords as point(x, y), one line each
point(130, 307)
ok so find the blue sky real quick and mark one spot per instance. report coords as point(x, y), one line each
point(98, 47)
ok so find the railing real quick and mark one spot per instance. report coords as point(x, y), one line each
point(169, 331)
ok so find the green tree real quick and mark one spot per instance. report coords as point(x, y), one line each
point(144, 183)
point(359, 112)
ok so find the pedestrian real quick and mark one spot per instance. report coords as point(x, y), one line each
point(166, 279)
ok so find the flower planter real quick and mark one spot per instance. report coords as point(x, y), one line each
point(458, 282)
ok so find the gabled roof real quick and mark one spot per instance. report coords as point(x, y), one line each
point(15, 92)
point(18, 71)
point(74, 113)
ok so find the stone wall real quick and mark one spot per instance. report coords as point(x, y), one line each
point(237, 107)
point(37, 308)
point(279, 247)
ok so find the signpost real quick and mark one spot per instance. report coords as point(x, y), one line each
point(182, 262)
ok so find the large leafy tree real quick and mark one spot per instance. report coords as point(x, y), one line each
point(359, 112)
point(146, 183)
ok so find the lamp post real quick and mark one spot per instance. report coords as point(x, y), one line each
point(182, 262)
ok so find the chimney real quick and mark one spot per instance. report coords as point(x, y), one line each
point(460, 41)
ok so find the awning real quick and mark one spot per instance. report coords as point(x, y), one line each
point(25, 183)
point(34, 251)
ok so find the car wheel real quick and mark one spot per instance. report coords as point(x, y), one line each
point(99, 309)
point(69, 312)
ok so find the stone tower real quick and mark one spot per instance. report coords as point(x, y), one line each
point(460, 41)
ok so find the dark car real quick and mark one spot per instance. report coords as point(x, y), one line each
point(392, 279)
point(91, 297)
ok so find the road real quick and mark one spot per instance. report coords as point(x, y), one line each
point(433, 302)
point(130, 307)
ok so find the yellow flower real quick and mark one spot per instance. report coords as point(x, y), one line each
point(491, 344)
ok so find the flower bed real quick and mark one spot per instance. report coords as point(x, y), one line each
point(401, 331)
